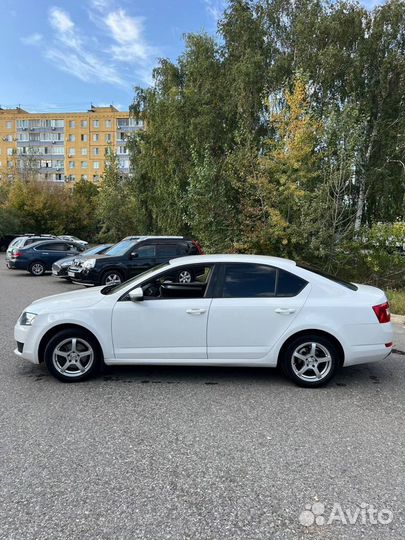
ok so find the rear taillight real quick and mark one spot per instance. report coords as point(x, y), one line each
point(198, 247)
point(16, 254)
point(382, 312)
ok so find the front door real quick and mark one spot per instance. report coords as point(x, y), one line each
point(247, 317)
point(161, 328)
point(141, 258)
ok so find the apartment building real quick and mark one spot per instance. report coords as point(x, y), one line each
point(64, 147)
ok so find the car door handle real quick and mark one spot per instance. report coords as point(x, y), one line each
point(285, 311)
point(195, 311)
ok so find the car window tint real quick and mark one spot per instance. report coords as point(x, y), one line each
point(168, 285)
point(249, 281)
point(121, 248)
point(52, 247)
point(146, 251)
point(289, 284)
point(166, 250)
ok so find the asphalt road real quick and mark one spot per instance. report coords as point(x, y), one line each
point(191, 453)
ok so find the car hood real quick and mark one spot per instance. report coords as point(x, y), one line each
point(68, 260)
point(62, 302)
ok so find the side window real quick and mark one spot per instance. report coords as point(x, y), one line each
point(244, 280)
point(166, 251)
point(289, 284)
point(44, 247)
point(58, 247)
point(167, 285)
point(145, 252)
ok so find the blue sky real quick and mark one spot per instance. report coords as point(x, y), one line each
point(66, 54)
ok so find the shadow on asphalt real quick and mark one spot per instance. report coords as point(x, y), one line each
point(364, 375)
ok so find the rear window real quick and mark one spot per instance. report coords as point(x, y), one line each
point(335, 279)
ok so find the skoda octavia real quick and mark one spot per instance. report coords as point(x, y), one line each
point(242, 310)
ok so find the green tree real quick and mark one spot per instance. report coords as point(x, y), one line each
point(116, 205)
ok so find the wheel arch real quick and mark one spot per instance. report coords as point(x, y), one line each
point(66, 326)
point(322, 333)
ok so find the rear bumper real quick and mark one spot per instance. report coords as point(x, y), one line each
point(361, 351)
point(16, 265)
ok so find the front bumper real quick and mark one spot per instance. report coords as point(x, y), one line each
point(82, 277)
point(27, 338)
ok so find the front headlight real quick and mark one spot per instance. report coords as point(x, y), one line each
point(27, 318)
point(89, 263)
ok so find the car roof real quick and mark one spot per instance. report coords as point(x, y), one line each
point(230, 258)
point(141, 238)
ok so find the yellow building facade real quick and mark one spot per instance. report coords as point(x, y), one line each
point(64, 147)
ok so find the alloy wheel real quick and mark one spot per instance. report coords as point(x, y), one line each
point(37, 269)
point(113, 279)
point(184, 277)
point(73, 357)
point(311, 362)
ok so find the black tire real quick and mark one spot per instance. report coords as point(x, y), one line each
point(317, 368)
point(83, 342)
point(37, 268)
point(185, 276)
point(108, 277)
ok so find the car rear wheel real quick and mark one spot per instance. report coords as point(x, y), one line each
point(37, 269)
point(185, 276)
point(72, 355)
point(112, 277)
point(310, 360)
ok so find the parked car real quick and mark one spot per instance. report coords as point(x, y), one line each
point(74, 239)
point(25, 240)
point(132, 256)
point(38, 258)
point(244, 310)
point(60, 268)
point(6, 240)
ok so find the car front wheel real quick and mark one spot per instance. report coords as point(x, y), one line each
point(310, 360)
point(112, 278)
point(72, 355)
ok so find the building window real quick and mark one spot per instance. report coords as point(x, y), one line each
point(58, 177)
point(9, 151)
point(9, 125)
point(95, 137)
point(83, 137)
point(96, 123)
point(84, 177)
point(9, 164)
point(71, 123)
point(96, 177)
point(72, 138)
point(108, 123)
point(83, 123)
point(84, 151)
point(108, 137)
point(72, 151)
point(96, 151)
point(84, 164)
point(71, 164)
point(96, 164)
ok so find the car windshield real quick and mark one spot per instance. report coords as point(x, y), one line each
point(120, 248)
point(110, 289)
point(340, 281)
point(93, 250)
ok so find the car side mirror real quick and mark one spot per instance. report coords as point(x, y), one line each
point(134, 255)
point(136, 295)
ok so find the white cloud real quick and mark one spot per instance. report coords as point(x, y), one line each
point(127, 32)
point(98, 58)
point(33, 39)
point(215, 8)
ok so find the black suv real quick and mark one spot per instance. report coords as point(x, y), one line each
point(132, 256)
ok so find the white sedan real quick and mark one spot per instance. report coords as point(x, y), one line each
point(242, 310)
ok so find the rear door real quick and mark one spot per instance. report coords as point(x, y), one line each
point(255, 305)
